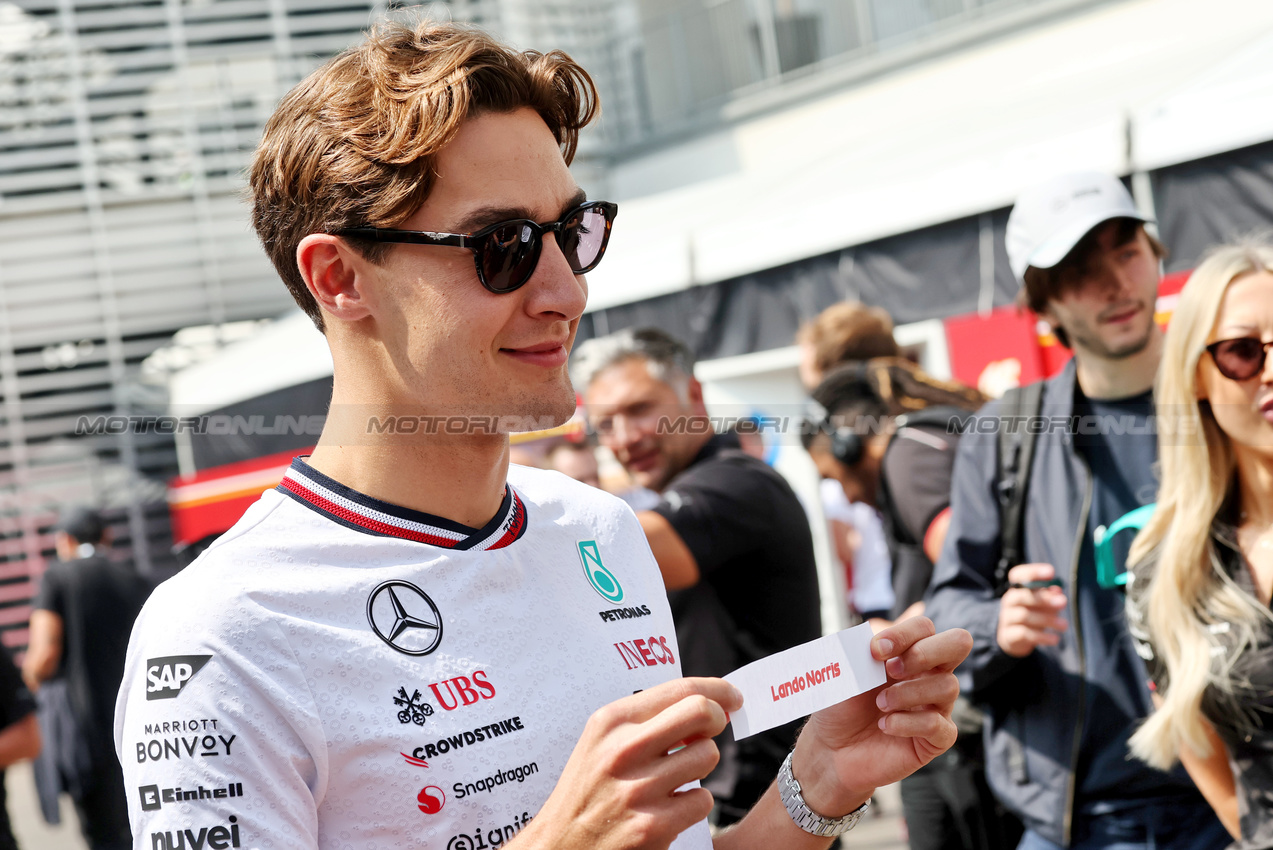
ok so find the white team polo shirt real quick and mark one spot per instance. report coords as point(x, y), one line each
point(339, 672)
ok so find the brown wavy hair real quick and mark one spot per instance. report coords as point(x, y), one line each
point(354, 143)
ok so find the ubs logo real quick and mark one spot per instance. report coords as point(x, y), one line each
point(403, 616)
point(166, 677)
point(414, 709)
point(601, 579)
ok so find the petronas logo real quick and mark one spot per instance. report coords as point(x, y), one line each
point(601, 579)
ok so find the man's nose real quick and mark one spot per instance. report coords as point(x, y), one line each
point(554, 289)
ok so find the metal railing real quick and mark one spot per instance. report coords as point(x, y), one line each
point(674, 66)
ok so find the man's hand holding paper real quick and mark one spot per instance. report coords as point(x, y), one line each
point(876, 738)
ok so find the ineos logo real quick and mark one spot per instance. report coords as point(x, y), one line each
point(403, 616)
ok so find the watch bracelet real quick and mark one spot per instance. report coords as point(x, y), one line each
point(808, 820)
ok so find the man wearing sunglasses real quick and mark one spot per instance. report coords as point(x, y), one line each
point(1053, 662)
point(410, 643)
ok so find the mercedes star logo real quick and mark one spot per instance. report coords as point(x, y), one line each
point(403, 616)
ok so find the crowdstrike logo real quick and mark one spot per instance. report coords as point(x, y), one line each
point(403, 616)
point(442, 746)
point(166, 677)
point(431, 799)
point(602, 580)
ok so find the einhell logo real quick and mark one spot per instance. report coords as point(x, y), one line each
point(648, 652)
point(807, 680)
point(166, 677)
point(153, 797)
point(462, 690)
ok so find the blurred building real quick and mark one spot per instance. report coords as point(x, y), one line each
point(770, 157)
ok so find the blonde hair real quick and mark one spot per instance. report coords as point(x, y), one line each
point(1188, 590)
point(849, 330)
point(354, 143)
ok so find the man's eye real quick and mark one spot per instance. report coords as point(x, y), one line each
point(604, 426)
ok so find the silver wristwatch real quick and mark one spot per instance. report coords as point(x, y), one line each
point(806, 818)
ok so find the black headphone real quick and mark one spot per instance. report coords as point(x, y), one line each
point(847, 445)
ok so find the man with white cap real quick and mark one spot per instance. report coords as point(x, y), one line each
point(1052, 661)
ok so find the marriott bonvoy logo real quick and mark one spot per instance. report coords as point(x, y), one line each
point(811, 679)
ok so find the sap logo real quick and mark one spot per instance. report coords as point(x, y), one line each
point(153, 797)
point(462, 691)
point(166, 677)
point(431, 799)
point(645, 653)
point(166, 748)
point(216, 838)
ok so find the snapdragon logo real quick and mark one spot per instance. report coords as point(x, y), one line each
point(496, 780)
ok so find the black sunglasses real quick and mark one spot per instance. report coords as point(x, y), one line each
point(1239, 359)
point(506, 253)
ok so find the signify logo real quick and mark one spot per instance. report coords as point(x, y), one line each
point(153, 797)
point(166, 677)
point(601, 579)
point(215, 838)
point(485, 839)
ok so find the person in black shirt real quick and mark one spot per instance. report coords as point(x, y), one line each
point(19, 734)
point(887, 433)
point(729, 534)
point(80, 624)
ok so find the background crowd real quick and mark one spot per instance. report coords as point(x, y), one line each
point(1118, 693)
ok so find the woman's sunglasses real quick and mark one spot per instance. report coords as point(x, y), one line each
point(1239, 359)
point(506, 253)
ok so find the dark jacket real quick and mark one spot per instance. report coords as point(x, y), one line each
point(1034, 705)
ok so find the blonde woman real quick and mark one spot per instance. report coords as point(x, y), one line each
point(1203, 566)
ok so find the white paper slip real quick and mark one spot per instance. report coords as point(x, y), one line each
point(804, 679)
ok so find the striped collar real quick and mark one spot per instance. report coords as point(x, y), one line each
point(372, 516)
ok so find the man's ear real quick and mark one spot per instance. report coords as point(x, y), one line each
point(695, 392)
point(335, 274)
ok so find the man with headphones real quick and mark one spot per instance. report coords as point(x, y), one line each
point(887, 434)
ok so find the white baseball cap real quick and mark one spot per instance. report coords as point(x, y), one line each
point(1049, 219)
